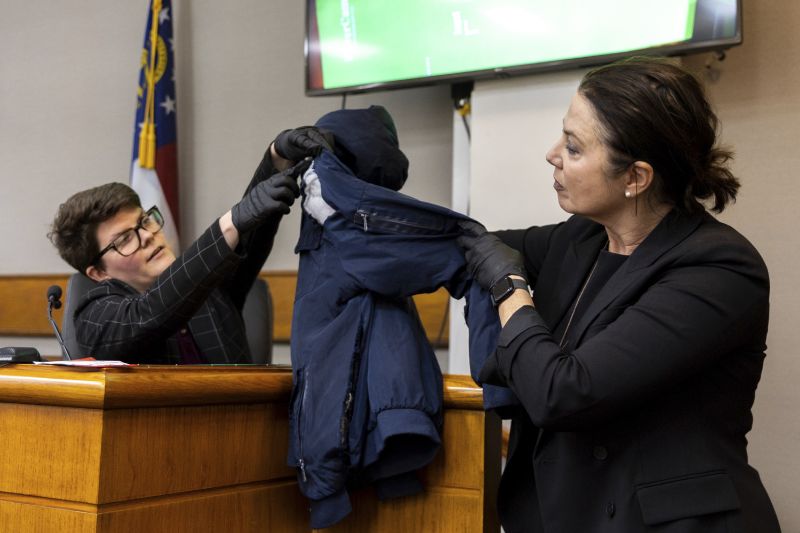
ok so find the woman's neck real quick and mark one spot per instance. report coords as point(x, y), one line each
point(626, 234)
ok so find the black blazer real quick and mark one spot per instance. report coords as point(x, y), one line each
point(114, 321)
point(641, 426)
point(204, 290)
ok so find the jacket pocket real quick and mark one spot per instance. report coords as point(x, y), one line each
point(296, 408)
point(310, 234)
point(373, 221)
point(701, 494)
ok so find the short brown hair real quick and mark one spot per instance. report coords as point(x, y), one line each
point(75, 226)
point(655, 111)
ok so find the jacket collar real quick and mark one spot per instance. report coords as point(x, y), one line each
point(673, 229)
point(574, 268)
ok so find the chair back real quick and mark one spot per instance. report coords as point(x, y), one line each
point(258, 315)
point(77, 285)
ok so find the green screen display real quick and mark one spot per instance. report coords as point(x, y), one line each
point(360, 43)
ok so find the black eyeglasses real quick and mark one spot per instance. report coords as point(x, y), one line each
point(129, 241)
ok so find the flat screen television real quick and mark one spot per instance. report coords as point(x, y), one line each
point(362, 45)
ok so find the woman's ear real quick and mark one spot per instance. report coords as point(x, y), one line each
point(96, 274)
point(639, 178)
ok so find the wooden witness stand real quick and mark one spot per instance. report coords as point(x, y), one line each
point(203, 449)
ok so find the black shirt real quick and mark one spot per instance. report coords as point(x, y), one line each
point(606, 265)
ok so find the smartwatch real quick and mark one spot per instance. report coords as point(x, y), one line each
point(505, 287)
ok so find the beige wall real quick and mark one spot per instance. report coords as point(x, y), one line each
point(68, 77)
point(67, 80)
point(755, 91)
point(757, 96)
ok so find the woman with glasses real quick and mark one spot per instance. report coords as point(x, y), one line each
point(150, 306)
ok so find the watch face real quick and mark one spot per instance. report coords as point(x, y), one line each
point(501, 290)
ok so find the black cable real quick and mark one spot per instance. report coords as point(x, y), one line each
point(344, 100)
point(461, 94)
point(466, 126)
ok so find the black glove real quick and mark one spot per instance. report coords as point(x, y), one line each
point(299, 143)
point(270, 198)
point(488, 258)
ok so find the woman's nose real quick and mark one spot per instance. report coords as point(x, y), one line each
point(552, 156)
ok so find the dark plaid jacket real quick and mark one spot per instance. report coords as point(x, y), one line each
point(203, 289)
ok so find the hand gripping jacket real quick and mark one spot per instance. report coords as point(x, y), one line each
point(367, 399)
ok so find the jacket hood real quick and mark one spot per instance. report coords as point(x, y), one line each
point(366, 141)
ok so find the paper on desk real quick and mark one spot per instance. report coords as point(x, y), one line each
point(84, 362)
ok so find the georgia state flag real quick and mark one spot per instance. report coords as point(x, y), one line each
point(154, 169)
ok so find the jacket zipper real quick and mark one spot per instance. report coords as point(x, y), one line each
point(344, 423)
point(349, 399)
point(366, 217)
point(301, 464)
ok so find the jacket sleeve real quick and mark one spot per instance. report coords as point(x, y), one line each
point(705, 305)
point(401, 262)
point(532, 243)
point(426, 255)
point(111, 322)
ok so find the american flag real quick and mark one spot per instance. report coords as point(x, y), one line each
point(154, 169)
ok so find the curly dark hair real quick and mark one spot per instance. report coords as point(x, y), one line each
point(74, 228)
point(655, 111)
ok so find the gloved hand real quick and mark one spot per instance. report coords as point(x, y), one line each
point(306, 141)
point(488, 258)
point(270, 198)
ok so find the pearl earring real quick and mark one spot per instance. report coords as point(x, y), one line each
point(627, 194)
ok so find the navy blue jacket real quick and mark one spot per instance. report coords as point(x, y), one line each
point(367, 399)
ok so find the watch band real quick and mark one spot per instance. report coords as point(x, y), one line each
point(520, 284)
point(505, 287)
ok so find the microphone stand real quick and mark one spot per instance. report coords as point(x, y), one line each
point(51, 303)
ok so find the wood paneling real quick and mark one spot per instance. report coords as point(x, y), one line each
point(24, 298)
point(24, 309)
point(433, 311)
point(457, 466)
point(51, 450)
point(275, 508)
point(190, 441)
point(166, 465)
point(281, 286)
point(244, 509)
point(26, 517)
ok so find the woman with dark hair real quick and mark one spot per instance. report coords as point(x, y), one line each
point(637, 358)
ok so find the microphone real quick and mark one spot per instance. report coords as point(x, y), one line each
point(54, 296)
point(54, 302)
